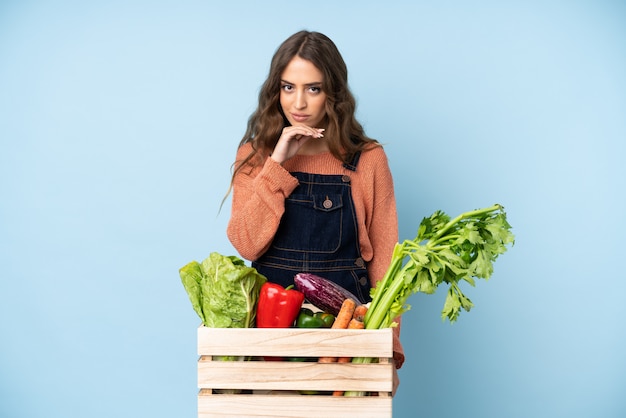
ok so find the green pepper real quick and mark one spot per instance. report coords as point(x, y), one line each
point(307, 319)
point(327, 318)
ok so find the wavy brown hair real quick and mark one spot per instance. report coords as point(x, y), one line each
point(344, 133)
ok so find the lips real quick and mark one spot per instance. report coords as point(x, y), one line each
point(299, 117)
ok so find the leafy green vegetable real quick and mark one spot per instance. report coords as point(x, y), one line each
point(444, 251)
point(223, 290)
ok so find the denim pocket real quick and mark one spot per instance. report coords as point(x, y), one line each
point(317, 220)
point(327, 203)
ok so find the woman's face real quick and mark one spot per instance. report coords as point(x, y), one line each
point(301, 95)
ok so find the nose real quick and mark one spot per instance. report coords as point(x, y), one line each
point(300, 102)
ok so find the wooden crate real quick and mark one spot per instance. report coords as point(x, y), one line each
point(275, 388)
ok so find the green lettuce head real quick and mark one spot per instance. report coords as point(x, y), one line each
point(223, 291)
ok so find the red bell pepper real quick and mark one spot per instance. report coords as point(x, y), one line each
point(278, 307)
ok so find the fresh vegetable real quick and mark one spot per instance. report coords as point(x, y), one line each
point(355, 323)
point(341, 322)
point(324, 294)
point(327, 318)
point(345, 314)
point(223, 290)
point(308, 319)
point(278, 307)
point(359, 313)
point(444, 251)
point(340, 392)
point(224, 293)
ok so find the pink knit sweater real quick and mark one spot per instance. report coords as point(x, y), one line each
point(259, 196)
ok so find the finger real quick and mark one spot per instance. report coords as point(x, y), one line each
point(304, 130)
point(300, 131)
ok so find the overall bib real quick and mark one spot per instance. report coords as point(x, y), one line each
point(318, 234)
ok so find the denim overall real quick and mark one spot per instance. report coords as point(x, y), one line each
point(318, 234)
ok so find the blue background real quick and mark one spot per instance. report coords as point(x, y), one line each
point(118, 124)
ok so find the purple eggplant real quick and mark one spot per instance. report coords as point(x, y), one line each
point(322, 293)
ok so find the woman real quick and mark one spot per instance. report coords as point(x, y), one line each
point(311, 192)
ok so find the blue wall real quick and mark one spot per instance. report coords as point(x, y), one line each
point(118, 124)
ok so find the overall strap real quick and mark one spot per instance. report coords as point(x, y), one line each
point(353, 163)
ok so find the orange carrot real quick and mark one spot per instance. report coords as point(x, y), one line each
point(353, 324)
point(356, 324)
point(342, 320)
point(359, 313)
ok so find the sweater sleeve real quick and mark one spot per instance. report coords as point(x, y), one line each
point(382, 224)
point(383, 234)
point(257, 206)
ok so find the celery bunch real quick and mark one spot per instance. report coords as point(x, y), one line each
point(444, 251)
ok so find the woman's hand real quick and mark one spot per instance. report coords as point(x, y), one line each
point(290, 141)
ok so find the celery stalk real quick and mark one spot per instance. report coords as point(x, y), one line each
point(444, 251)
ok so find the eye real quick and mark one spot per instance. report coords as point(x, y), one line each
point(286, 87)
point(315, 89)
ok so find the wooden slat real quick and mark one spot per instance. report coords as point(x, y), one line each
point(294, 342)
point(286, 375)
point(286, 406)
point(272, 388)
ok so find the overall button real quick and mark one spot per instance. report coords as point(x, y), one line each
point(359, 262)
point(345, 178)
point(327, 203)
point(362, 281)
